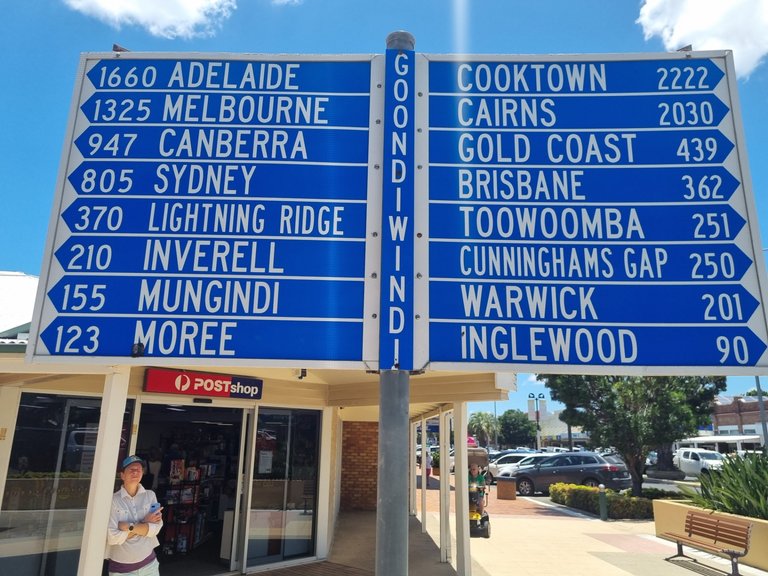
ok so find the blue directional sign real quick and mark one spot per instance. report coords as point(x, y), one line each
point(578, 214)
point(239, 217)
point(591, 214)
point(560, 222)
point(172, 178)
point(581, 74)
point(590, 148)
point(593, 303)
point(501, 184)
point(214, 208)
point(566, 261)
point(608, 112)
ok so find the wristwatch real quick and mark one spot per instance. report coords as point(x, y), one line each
point(131, 527)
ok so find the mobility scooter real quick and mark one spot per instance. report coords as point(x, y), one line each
point(479, 524)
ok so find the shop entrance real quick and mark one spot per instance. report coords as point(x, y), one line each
point(193, 457)
point(280, 524)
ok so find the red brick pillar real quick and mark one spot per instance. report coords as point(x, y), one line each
point(359, 465)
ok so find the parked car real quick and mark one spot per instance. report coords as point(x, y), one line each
point(494, 454)
point(531, 459)
point(697, 461)
point(501, 453)
point(650, 461)
point(587, 468)
point(509, 458)
point(80, 449)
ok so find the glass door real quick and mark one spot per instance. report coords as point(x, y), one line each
point(281, 522)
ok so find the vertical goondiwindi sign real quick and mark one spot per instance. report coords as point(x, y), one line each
point(397, 250)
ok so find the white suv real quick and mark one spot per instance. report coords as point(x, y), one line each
point(697, 461)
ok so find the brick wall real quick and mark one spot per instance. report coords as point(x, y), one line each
point(359, 465)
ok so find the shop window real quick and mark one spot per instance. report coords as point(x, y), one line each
point(49, 478)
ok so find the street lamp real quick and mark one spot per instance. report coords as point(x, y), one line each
point(536, 399)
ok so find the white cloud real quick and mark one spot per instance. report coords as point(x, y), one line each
point(737, 25)
point(164, 18)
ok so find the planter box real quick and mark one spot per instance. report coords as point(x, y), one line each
point(506, 488)
point(435, 471)
point(669, 516)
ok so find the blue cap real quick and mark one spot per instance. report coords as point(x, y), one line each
point(130, 460)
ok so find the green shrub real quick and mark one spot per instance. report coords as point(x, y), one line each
point(620, 506)
point(739, 487)
point(629, 507)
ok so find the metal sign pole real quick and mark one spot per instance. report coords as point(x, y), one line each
point(392, 499)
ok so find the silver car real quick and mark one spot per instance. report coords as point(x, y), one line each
point(530, 460)
point(496, 465)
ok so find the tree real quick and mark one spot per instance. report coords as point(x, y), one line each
point(633, 414)
point(483, 426)
point(515, 429)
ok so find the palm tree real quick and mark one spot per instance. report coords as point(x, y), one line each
point(484, 426)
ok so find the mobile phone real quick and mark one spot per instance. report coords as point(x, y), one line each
point(155, 507)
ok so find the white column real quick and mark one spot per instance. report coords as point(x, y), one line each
point(445, 486)
point(412, 472)
point(104, 466)
point(323, 496)
point(424, 456)
point(463, 553)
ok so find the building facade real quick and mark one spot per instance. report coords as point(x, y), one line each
point(738, 415)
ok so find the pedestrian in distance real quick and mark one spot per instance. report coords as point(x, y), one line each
point(134, 522)
point(428, 464)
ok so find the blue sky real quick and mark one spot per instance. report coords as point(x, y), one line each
point(41, 42)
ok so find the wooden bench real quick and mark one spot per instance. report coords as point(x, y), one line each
point(710, 533)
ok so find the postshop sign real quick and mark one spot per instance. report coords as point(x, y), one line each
point(202, 384)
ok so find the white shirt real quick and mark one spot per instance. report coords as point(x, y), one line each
point(132, 509)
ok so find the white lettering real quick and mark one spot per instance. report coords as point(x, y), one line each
point(552, 344)
point(185, 337)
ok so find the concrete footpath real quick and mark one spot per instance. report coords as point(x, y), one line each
point(529, 536)
point(534, 536)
